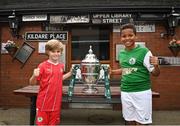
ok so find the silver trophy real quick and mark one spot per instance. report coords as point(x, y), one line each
point(90, 68)
point(90, 71)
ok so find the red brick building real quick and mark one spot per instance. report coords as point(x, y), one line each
point(80, 24)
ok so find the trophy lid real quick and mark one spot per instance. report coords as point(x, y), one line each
point(90, 57)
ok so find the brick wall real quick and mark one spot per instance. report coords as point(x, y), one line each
point(14, 77)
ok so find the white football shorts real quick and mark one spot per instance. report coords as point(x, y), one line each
point(137, 106)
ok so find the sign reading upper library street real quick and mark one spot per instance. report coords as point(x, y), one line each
point(111, 18)
point(44, 36)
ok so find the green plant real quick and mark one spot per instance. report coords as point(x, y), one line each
point(10, 44)
point(173, 43)
point(11, 47)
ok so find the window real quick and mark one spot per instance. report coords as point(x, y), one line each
point(85, 35)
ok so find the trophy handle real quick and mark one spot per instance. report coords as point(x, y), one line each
point(72, 82)
point(107, 92)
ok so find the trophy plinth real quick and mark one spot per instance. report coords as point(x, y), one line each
point(90, 68)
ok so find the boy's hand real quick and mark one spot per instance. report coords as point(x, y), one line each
point(154, 60)
point(36, 72)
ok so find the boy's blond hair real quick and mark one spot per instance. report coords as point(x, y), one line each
point(54, 44)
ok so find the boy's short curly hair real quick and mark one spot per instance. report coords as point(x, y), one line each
point(54, 44)
point(128, 26)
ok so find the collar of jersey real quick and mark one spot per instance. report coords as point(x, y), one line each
point(52, 62)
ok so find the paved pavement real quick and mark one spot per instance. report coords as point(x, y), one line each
point(76, 116)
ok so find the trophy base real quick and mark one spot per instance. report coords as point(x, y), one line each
point(90, 90)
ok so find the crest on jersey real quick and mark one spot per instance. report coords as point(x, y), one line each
point(40, 119)
point(132, 61)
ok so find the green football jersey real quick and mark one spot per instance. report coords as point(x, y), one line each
point(135, 76)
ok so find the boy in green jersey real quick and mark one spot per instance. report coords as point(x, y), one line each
point(136, 65)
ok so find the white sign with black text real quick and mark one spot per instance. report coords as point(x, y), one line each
point(34, 18)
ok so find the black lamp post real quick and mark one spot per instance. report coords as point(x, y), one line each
point(13, 24)
point(173, 21)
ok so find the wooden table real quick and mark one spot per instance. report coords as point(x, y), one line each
point(78, 96)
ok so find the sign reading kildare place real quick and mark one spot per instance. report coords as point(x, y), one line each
point(111, 18)
point(44, 36)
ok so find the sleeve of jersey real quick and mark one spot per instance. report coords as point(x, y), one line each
point(147, 61)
